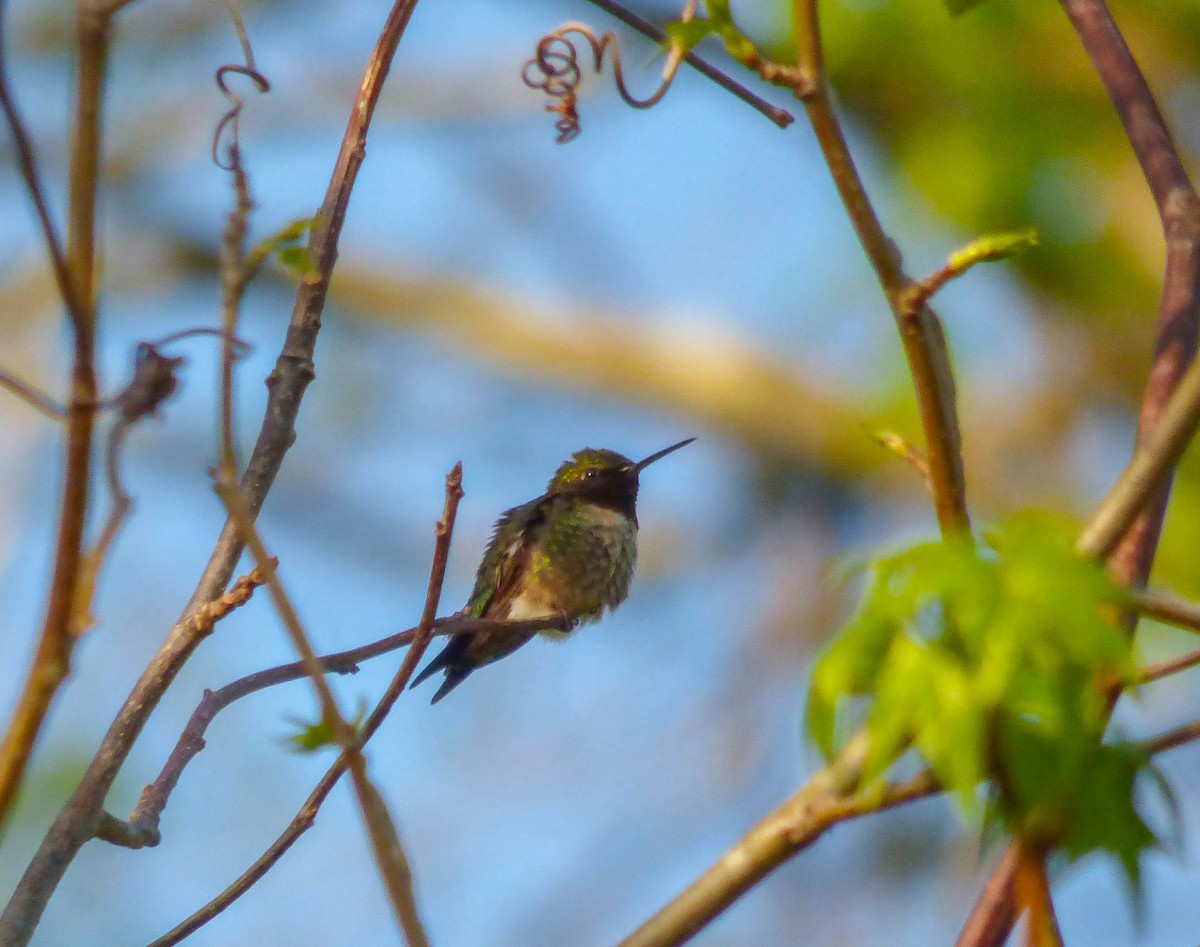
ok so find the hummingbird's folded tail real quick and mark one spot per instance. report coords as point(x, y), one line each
point(451, 661)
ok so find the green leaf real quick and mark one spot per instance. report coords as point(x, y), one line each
point(958, 7)
point(295, 260)
point(689, 34)
point(992, 247)
point(988, 661)
point(1105, 816)
point(737, 44)
point(289, 247)
point(310, 737)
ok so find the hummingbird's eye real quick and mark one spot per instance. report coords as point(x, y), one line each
point(589, 474)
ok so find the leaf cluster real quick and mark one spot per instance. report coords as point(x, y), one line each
point(994, 663)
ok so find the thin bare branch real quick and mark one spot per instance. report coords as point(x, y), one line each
point(1129, 522)
point(921, 331)
point(304, 818)
point(1174, 738)
point(381, 831)
point(1168, 609)
point(779, 116)
point(51, 663)
point(27, 163)
point(1156, 672)
point(76, 823)
point(36, 399)
point(828, 798)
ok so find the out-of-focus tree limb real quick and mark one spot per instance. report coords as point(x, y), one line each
point(1130, 549)
point(725, 383)
point(77, 821)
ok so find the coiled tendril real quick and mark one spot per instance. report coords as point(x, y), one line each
point(555, 70)
point(230, 118)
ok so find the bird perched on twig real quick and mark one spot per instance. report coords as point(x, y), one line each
point(568, 555)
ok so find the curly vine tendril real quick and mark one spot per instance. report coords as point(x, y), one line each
point(236, 103)
point(555, 70)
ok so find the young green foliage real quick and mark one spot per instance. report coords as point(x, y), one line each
point(957, 7)
point(992, 247)
point(689, 33)
point(990, 664)
point(288, 246)
point(311, 736)
point(719, 23)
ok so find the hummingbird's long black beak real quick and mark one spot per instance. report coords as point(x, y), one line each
point(642, 464)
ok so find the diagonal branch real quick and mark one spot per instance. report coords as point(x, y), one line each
point(921, 332)
point(825, 800)
point(142, 828)
point(52, 658)
point(76, 823)
point(993, 917)
point(780, 117)
point(381, 830)
point(308, 812)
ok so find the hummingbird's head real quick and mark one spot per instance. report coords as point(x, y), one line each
point(604, 477)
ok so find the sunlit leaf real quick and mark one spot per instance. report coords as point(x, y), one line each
point(993, 247)
point(957, 7)
point(691, 33)
point(986, 660)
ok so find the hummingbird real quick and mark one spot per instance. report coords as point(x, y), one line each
point(567, 555)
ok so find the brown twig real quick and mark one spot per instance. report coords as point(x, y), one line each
point(1156, 672)
point(27, 163)
point(1168, 609)
point(824, 801)
point(1173, 739)
point(142, 828)
point(1032, 891)
point(51, 663)
point(779, 116)
point(76, 822)
point(308, 812)
point(1128, 524)
point(921, 332)
point(36, 399)
point(206, 617)
point(381, 830)
point(986, 249)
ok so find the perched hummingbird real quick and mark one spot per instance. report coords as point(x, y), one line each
point(569, 555)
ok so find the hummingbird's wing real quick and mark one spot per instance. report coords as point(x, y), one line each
point(517, 533)
point(514, 539)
